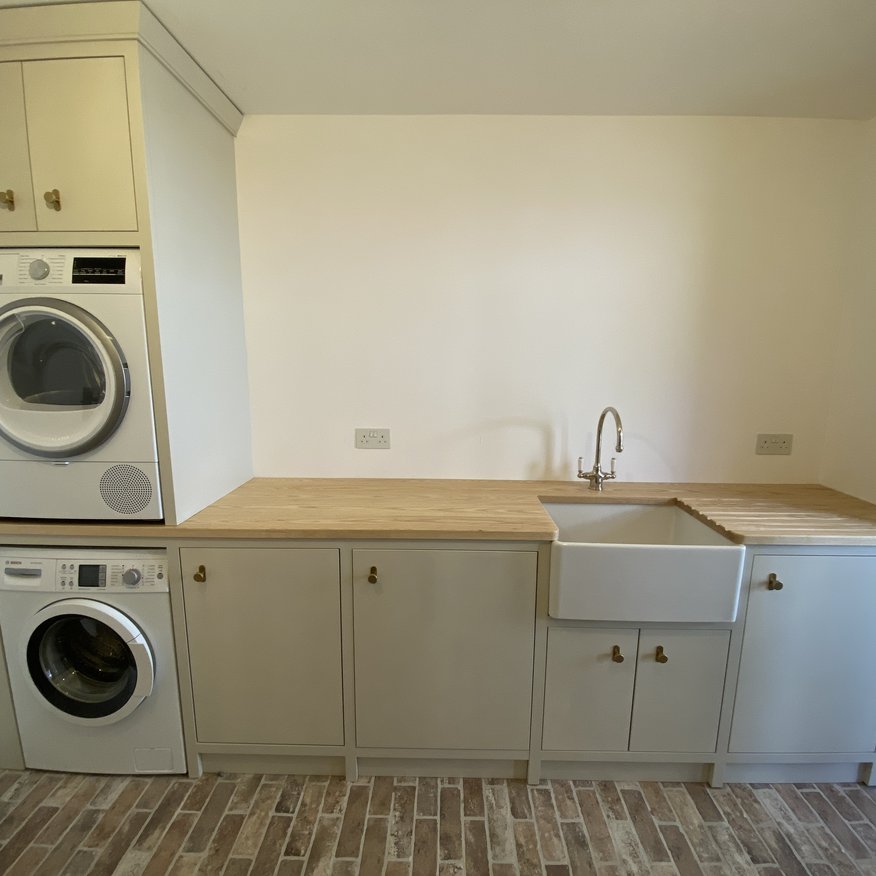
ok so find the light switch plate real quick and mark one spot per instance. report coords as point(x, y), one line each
point(372, 439)
point(774, 444)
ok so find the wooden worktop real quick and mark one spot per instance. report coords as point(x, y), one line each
point(277, 508)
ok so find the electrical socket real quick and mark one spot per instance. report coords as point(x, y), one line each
point(372, 439)
point(770, 444)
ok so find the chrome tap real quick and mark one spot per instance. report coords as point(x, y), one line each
point(597, 476)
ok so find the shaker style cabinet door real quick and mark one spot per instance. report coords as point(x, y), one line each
point(807, 680)
point(443, 648)
point(16, 193)
point(679, 690)
point(80, 144)
point(589, 689)
point(264, 635)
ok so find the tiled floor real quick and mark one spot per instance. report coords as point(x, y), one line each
point(74, 825)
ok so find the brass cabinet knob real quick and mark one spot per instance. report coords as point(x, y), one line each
point(53, 199)
point(773, 582)
point(7, 198)
point(201, 575)
point(660, 656)
point(616, 655)
point(372, 577)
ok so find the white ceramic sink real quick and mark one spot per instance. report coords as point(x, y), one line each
point(619, 562)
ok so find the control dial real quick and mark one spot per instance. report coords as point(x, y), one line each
point(39, 269)
point(131, 577)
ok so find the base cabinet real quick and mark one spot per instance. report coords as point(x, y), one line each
point(634, 690)
point(443, 648)
point(806, 680)
point(264, 635)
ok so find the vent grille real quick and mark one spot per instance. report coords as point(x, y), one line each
point(126, 489)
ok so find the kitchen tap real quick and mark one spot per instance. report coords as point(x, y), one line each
point(597, 476)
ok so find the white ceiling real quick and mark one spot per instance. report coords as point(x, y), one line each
point(809, 58)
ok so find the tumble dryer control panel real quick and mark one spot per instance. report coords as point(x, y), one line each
point(100, 571)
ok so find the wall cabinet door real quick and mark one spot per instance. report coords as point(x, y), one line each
point(679, 690)
point(264, 635)
point(67, 130)
point(16, 214)
point(589, 689)
point(807, 681)
point(443, 648)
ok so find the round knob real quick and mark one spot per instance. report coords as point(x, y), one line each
point(38, 269)
point(659, 656)
point(131, 577)
point(372, 577)
point(616, 654)
point(773, 582)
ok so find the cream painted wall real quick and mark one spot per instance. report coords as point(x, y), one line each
point(850, 448)
point(484, 285)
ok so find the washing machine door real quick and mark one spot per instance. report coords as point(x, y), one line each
point(88, 661)
point(64, 382)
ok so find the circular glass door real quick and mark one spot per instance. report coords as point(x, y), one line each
point(64, 384)
point(89, 661)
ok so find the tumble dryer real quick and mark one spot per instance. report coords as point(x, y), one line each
point(77, 431)
point(90, 652)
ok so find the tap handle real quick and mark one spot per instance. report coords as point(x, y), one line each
point(580, 466)
point(613, 462)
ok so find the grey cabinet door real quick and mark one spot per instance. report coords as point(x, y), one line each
point(807, 681)
point(588, 689)
point(443, 648)
point(677, 703)
point(264, 635)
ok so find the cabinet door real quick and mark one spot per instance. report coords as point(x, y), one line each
point(80, 143)
point(679, 690)
point(443, 648)
point(14, 161)
point(264, 634)
point(807, 681)
point(588, 689)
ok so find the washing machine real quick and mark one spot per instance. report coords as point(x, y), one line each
point(77, 431)
point(90, 654)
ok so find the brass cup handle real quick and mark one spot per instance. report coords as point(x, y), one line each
point(372, 577)
point(616, 655)
point(201, 575)
point(773, 582)
point(53, 199)
point(660, 656)
point(8, 198)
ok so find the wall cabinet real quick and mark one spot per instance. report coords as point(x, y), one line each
point(443, 648)
point(806, 678)
point(264, 637)
point(65, 128)
point(634, 690)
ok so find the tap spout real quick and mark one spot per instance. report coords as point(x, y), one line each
point(597, 476)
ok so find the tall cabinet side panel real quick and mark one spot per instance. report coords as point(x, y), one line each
point(195, 249)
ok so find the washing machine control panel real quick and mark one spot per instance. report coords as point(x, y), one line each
point(144, 572)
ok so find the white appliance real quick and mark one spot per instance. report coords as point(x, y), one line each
point(77, 433)
point(90, 654)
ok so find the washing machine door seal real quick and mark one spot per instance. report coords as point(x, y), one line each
point(87, 661)
point(64, 381)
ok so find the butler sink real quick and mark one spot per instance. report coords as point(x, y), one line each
point(640, 563)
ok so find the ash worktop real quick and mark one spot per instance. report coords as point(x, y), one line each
point(276, 508)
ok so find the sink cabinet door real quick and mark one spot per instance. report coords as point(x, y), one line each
point(443, 648)
point(677, 704)
point(807, 680)
point(264, 636)
point(588, 695)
